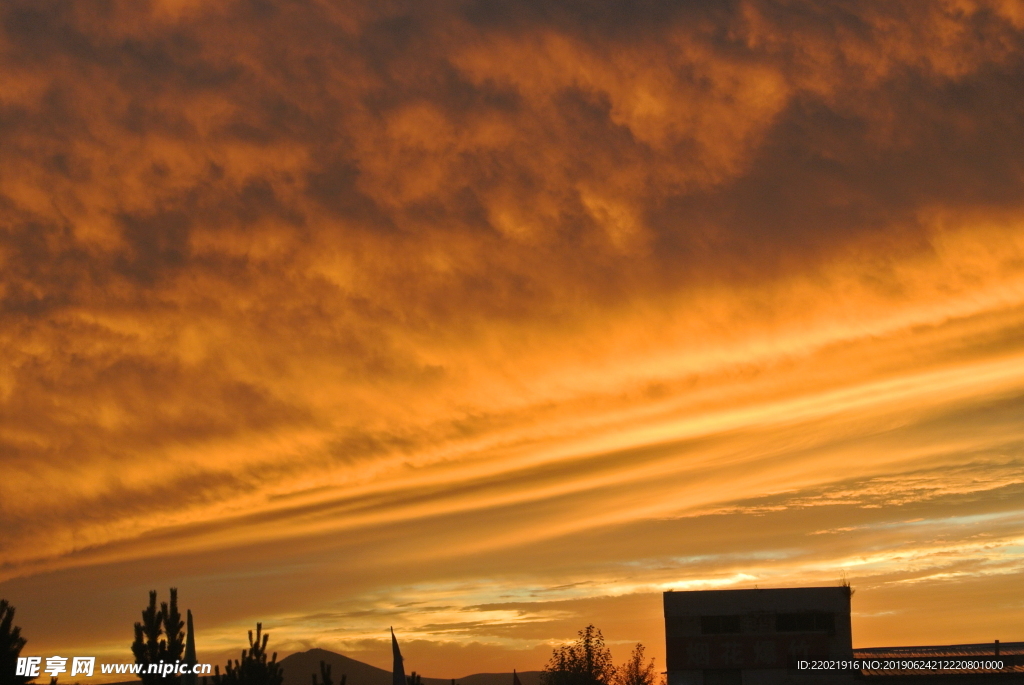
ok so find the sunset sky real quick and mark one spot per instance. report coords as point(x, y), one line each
point(489, 319)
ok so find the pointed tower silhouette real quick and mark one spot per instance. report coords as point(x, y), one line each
point(398, 668)
point(190, 678)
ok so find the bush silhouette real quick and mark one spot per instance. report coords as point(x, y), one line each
point(635, 671)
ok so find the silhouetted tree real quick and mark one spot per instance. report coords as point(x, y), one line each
point(414, 679)
point(148, 648)
point(635, 671)
point(325, 675)
point(173, 628)
point(253, 668)
point(11, 643)
point(585, 662)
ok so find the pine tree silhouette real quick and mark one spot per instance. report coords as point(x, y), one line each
point(253, 668)
point(11, 643)
point(148, 648)
point(173, 628)
point(325, 675)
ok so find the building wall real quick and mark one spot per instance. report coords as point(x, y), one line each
point(755, 637)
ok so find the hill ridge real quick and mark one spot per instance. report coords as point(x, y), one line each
point(299, 667)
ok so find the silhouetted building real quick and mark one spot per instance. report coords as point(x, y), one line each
point(779, 636)
point(748, 637)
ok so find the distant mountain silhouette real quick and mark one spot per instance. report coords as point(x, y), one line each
point(300, 666)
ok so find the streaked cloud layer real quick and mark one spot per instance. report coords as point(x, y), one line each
point(489, 319)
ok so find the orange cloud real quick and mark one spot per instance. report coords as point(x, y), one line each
point(715, 295)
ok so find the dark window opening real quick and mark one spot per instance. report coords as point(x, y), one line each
point(806, 622)
point(724, 676)
point(675, 626)
point(717, 625)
